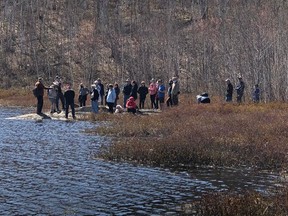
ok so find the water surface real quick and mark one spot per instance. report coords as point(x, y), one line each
point(48, 168)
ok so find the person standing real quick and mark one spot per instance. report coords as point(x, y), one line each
point(52, 95)
point(94, 99)
point(161, 93)
point(134, 89)
point(142, 91)
point(169, 99)
point(175, 91)
point(83, 92)
point(240, 89)
point(117, 91)
point(111, 97)
point(229, 91)
point(60, 95)
point(69, 96)
point(153, 92)
point(102, 90)
point(39, 87)
point(98, 87)
point(256, 94)
point(126, 92)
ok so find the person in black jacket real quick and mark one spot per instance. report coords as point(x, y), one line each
point(102, 91)
point(203, 98)
point(60, 96)
point(126, 91)
point(229, 91)
point(134, 90)
point(69, 96)
point(169, 99)
point(142, 91)
point(94, 99)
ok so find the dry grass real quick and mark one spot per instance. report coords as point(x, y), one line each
point(18, 97)
point(253, 135)
point(250, 203)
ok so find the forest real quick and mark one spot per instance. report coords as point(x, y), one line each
point(203, 42)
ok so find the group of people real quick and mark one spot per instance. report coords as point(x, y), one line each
point(131, 92)
point(55, 95)
point(109, 96)
point(240, 87)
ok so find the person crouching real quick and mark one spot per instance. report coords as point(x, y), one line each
point(203, 98)
point(131, 105)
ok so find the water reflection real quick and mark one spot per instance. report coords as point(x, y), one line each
point(48, 168)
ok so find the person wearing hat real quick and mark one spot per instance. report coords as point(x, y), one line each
point(102, 90)
point(111, 97)
point(229, 91)
point(126, 92)
point(94, 98)
point(240, 89)
point(142, 91)
point(39, 87)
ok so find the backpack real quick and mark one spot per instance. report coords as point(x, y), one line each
point(35, 92)
point(95, 95)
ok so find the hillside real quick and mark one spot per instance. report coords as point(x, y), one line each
point(203, 42)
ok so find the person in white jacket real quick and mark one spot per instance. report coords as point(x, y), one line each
point(111, 97)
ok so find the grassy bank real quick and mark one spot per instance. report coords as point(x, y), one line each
point(253, 135)
point(250, 203)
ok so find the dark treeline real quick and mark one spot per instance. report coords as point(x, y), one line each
point(201, 41)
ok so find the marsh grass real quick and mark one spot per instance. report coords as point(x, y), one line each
point(253, 135)
point(249, 203)
point(20, 97)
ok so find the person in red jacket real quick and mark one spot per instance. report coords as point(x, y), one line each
point(131, 105)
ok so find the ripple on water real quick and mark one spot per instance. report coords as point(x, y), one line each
point(46, 168)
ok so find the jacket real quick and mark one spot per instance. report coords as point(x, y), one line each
point(111, 96)
point(130, 104)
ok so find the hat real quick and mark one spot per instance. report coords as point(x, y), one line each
point(110, 85)
point(152, 80)
point(93, 86)
point(174, 78)
point(227, 80)
point(40, 78)
point(142, 82)
point(99, 80)
point(204, 94)
point(127, 80)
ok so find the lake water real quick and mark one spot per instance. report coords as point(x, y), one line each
point(48, 168)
